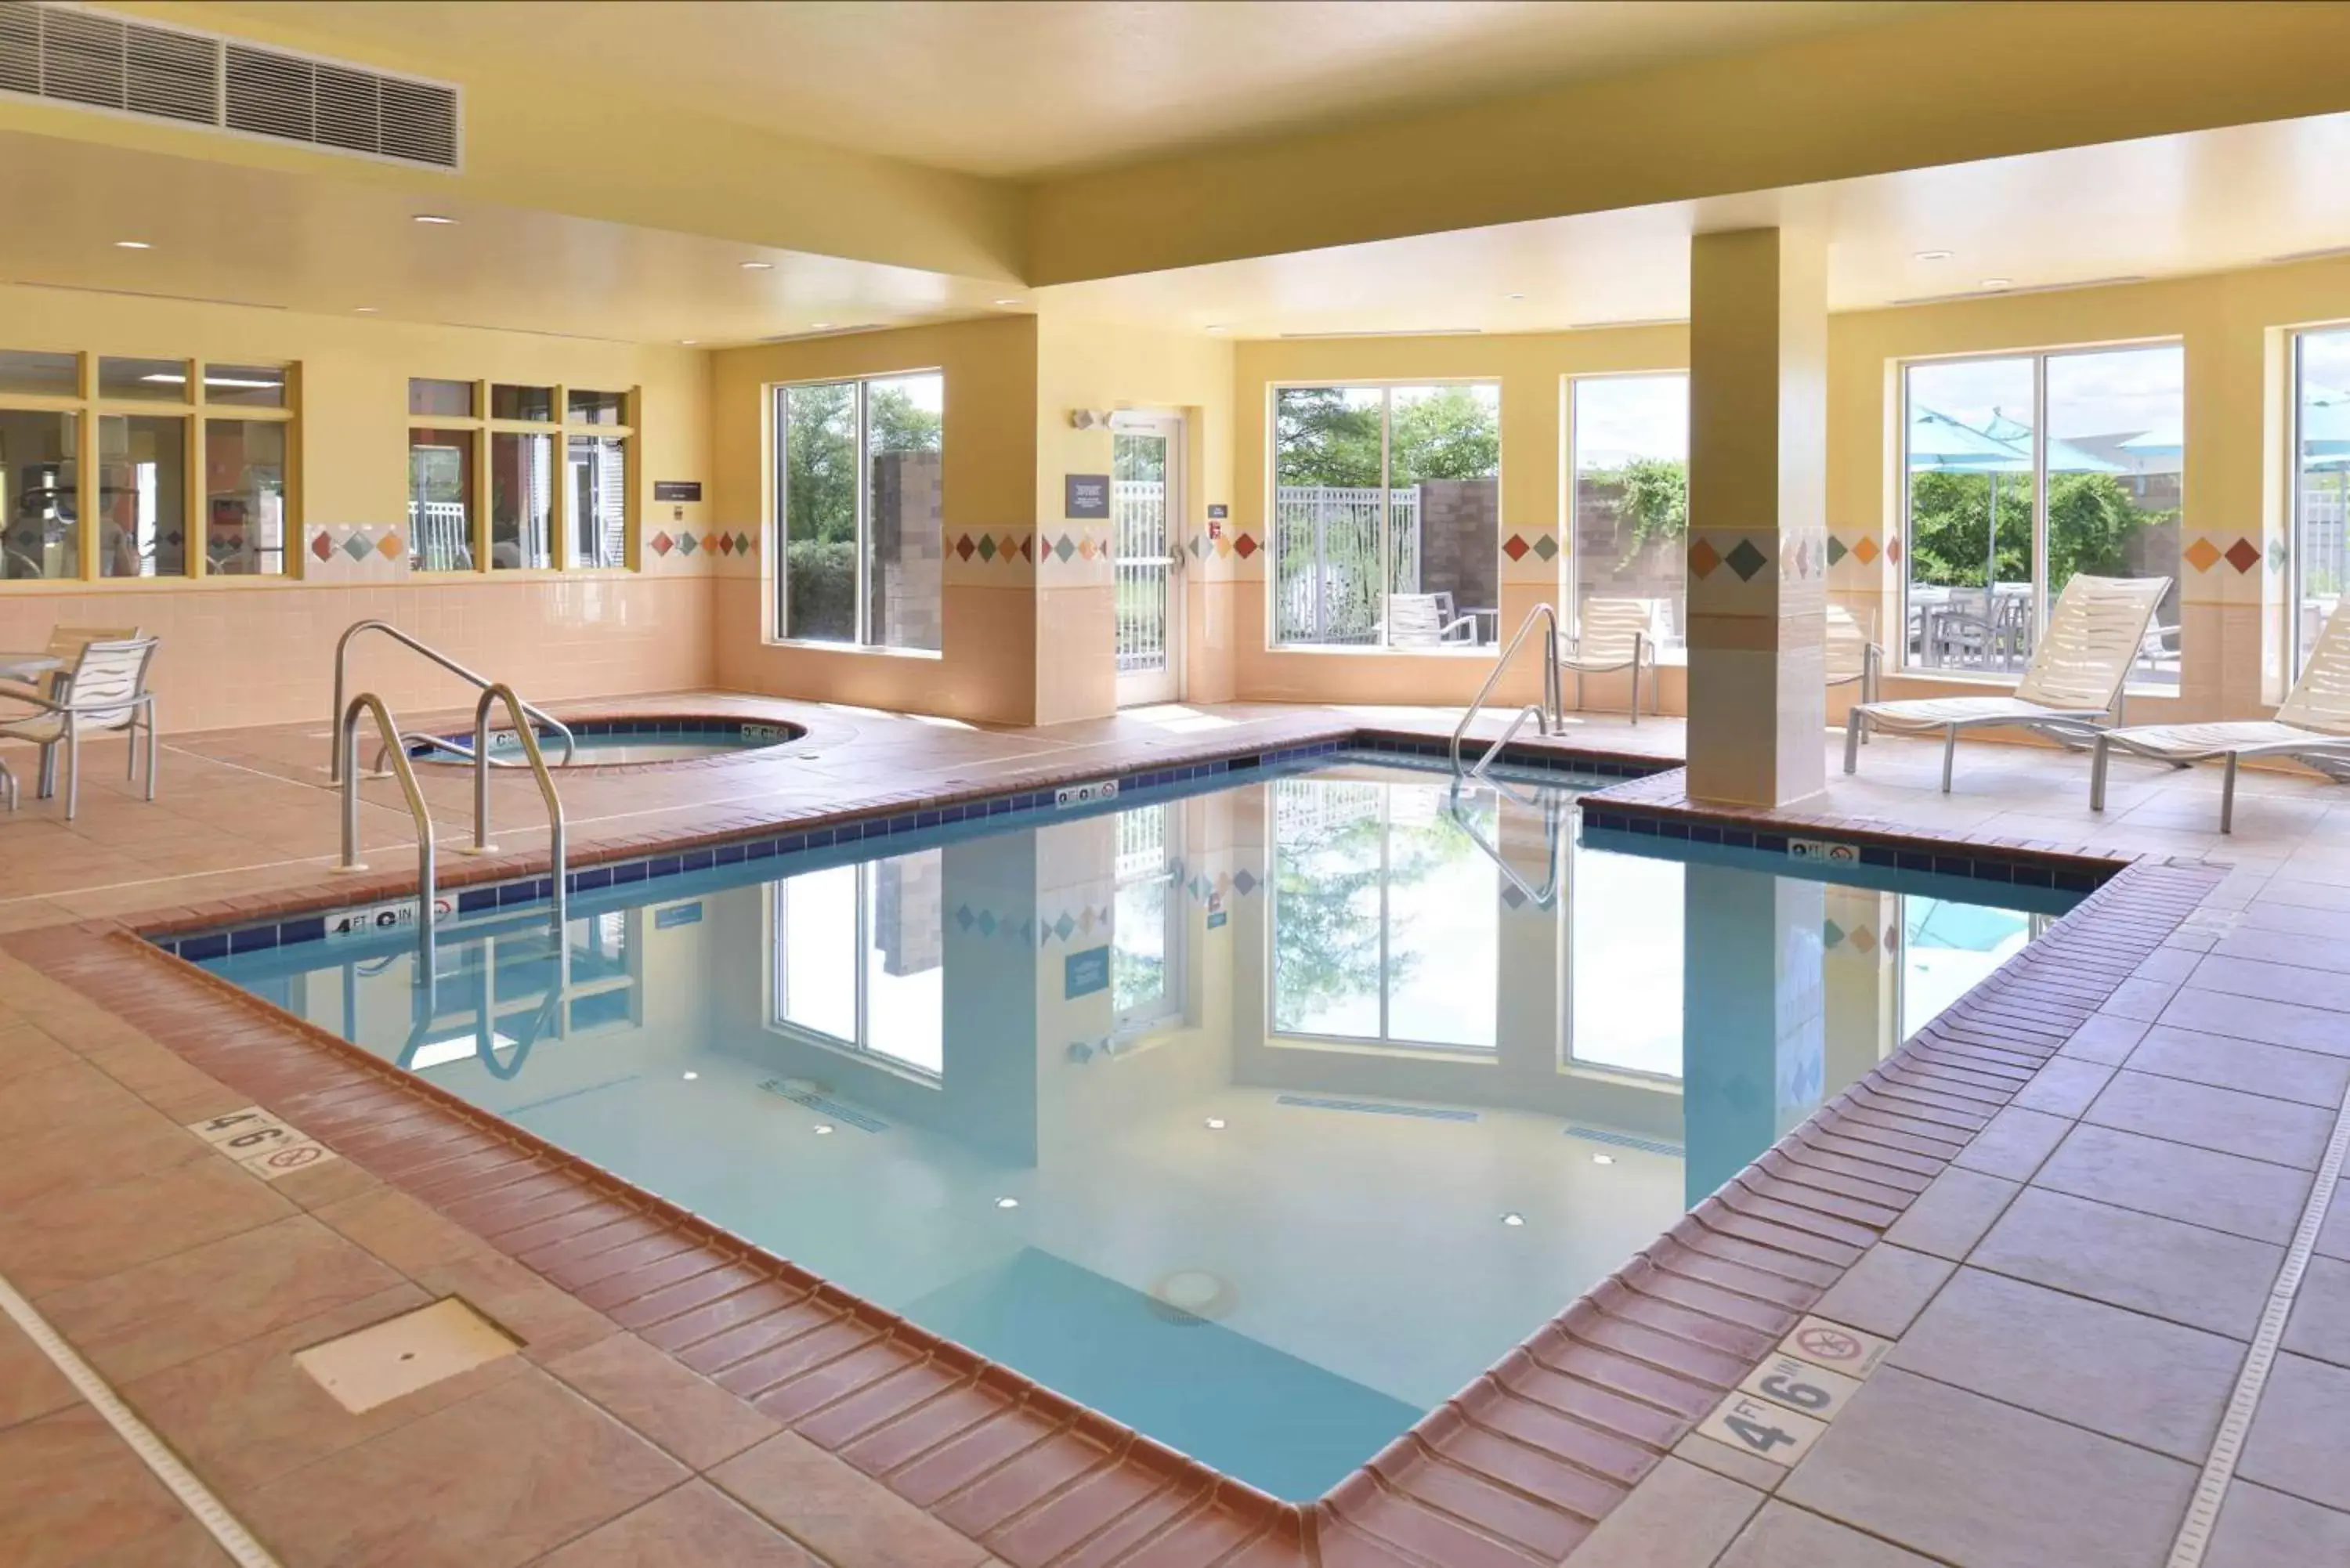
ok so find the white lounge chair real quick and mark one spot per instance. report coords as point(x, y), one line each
point(1852, 654)
point(1610, 634)
point(108, 691)
point(1426, 620)
point(2072, 689)
point(2312, 727)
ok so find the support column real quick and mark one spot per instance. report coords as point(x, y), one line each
point(1758, 516)
point(1753, 1017)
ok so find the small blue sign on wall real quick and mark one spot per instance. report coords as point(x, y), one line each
point(1085, 495)
point(677, 915)
point(1218, 918)
point(1085, 973)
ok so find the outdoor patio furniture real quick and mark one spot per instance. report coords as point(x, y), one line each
point(1851, 654)
point(107, 691)
point(1426, 620)
point(1610, 634)
point(2312, 727)
point(2072, 689)
point(47, 672)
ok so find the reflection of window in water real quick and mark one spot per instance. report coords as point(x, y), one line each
point(1385, 917)
point(859, 961)
point(1947, 946)
point(1625, 948)
point(1147, 926)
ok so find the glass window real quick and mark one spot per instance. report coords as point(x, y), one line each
point(2023, 470)
point(1385, 515)
point(863, 553)
point(447, 399)
point(245, 385)
point(859, 959)
point(142, 473)
point(1385, 915)
point(2321, 554)
point(593, 408)
point(1946, 948)
point(534, 403)
point(40, 375)
point(440, 500)
point(1147, 920)
point(905, 536)
point(1631, 494)
point(522, 501)
point(599, 500)
point(244, 497)
point(1624, 934)
point(40, 494)
point(148, 380)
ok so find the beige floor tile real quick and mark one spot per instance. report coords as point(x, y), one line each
point(2202, 1187)
point(30, 1384)
point(70, 1489)
point(398, 1230)
point(1679, 1516)
point(1951, 1216)
point(2254, 1126)
point(2263, 1529)
point(851, 1519)
point(75, 1236)
point(1784, 1537)
point(684, 1412)
point(1884, 1292)
point(2185, 1274)
point(2296, 1444)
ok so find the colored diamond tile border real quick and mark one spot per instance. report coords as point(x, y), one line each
point(322, 546)
point(687, 543)
point(1245, 545)
point(1836, 550)
point(1547, 547)
point(661, 543)
point(1866, 551)
point(1515, 548)
point(2201, 554)
point(1746, 559)
point(2243, 555)
point(390, 547)
point(358, 545)
point(1703, 558)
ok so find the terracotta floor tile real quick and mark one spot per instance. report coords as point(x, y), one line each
point(2184, 1273)
point(683, 1411)
point(2267, 1020)
point(76, 1236)
point(1680, 1517)
point(69, 1489)
point(547, 1322)
point(1784, 1537)
point(852, 1520)
point(2007, 1487)
point(30, 1386)
point(2156, 1384)
point(2063, 1087)
point(2333, 1236)
point(186, 1544)
point(2223, 1191)
point(2263, 1529)
point(2254, 1126)
point(495, 1479)
point(2245, 1064)
point(1884, 1292)
point(1951, 1215)
point(2296, 1444)
point(693, 1526)
point(398, 1230)
point(197, 1301)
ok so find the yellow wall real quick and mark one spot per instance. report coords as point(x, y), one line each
point(259, 650)
point(987, 669)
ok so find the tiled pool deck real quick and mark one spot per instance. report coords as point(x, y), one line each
point(2066, 1205)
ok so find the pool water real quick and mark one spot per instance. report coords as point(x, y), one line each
point(1262, 1118)
point(604, 743)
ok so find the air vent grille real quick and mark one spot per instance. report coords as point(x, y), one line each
point(100, 61)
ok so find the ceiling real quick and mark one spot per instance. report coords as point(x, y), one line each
point(1026, 88)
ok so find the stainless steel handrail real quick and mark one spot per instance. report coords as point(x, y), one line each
point(499, 692)
point(347, 750)
point(1545, 897)
point(1551, 713)
point(457, 749)
point(342, 650)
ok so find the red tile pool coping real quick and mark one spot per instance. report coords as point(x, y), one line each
point(1515, 1470)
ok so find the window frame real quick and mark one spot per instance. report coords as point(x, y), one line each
point(778, 574)
point(1570, 447)
point(195, 413)
point(561, 427)
point(1387, 387)
point(860, 1048)
point(2297, 646)
point(2043, 600)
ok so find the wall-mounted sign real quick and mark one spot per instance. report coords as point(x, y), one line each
point(1085, 495)
point(677, 915)
point(1086, 972)
point(676, 490)
point(1216, 513)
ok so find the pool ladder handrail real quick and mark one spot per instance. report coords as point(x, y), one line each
point(536, 760)
point(1545, 897)
point(1549, 714)
point(473, 678)
point(346, 749)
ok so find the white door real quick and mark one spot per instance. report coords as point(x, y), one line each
point(1146, 511)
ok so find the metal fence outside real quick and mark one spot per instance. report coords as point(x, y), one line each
point(1326, 559)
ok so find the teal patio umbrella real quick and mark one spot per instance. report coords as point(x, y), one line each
point(1938, 440)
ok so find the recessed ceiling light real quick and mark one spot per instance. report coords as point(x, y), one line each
point(363, 310)
point(1215, 1124)
point(691, 1077)
point(1513, 1219)
point(434, 218)
point(822, 1129)
point(819, 327)
point(1517, 297)
point(1603, 1160)
point(1998, 283)
point(758, 266)
point(1011, 302)
point(1211, 328)
point(1007, 1203)
point(1931, 256)
point(688, 342)
point(132, 245)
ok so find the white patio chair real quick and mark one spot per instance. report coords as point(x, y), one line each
point(107, 690)
point(2072, 689)
point(2312, 727)
point(1610, 634)
point(1425, 620)
point(1852, 654)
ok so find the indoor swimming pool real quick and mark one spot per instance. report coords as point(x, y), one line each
point(610, 743)
point(1261, 1113)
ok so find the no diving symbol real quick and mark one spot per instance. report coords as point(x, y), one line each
point(1829, 1345)
point(294, 1158)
